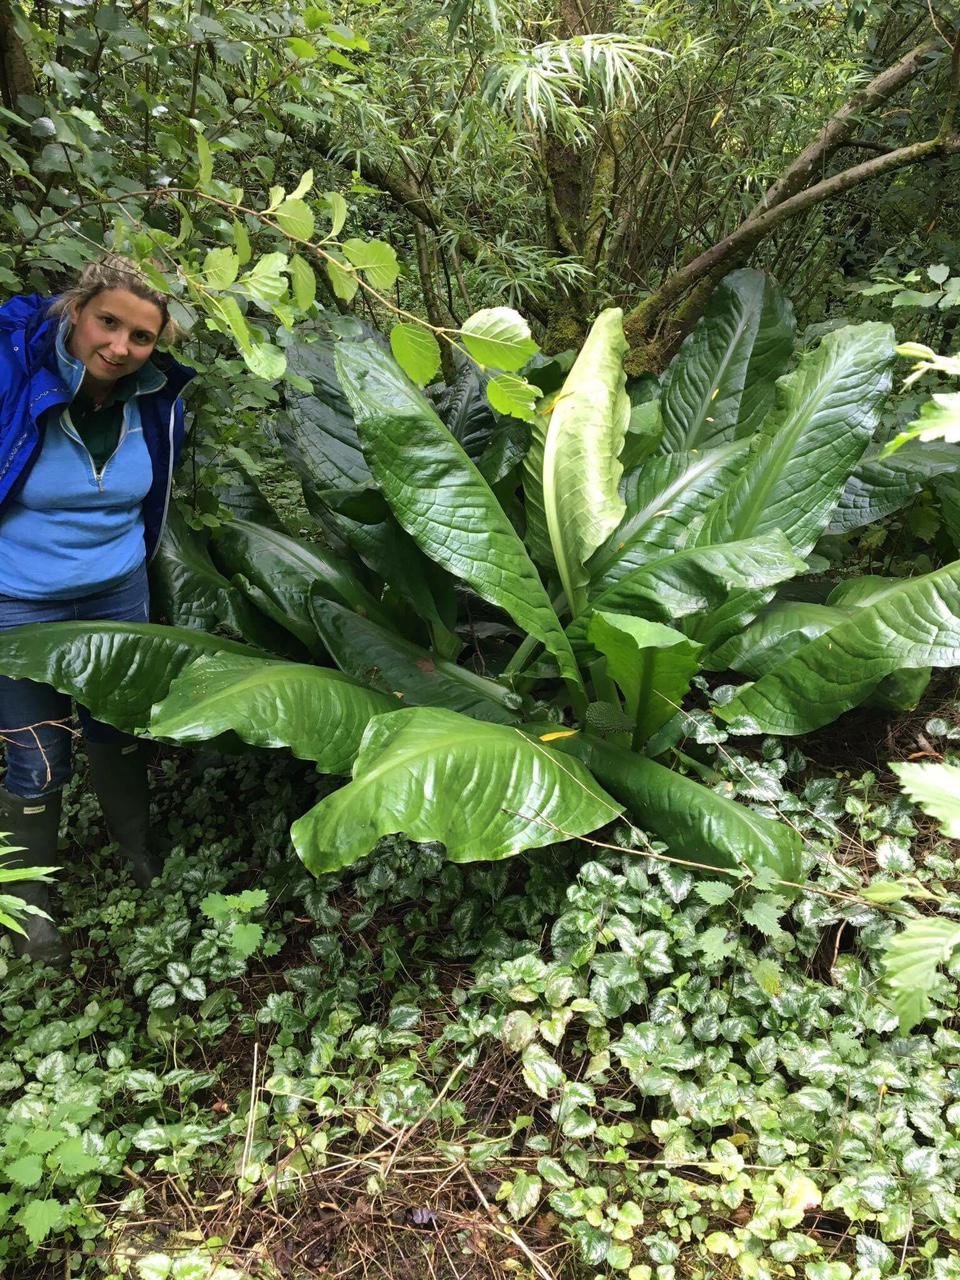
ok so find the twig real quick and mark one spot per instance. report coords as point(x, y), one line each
point(406, 1134)
point(507, 1230)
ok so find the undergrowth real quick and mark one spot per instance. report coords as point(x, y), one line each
point(580, 1063)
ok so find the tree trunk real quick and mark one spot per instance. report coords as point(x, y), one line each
point(16, 73)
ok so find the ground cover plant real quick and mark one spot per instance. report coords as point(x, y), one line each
point(581, 1062)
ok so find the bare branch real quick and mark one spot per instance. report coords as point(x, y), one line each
point(639, 323)
point(843, 124)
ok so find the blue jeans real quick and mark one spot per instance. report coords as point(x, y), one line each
point(35, 718)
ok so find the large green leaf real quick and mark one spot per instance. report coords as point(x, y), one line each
point(720, 384)
point(288, 570)
point(695, 581)
point(187, 590)
point(537, 535)
point(392, 555)
point(780, 631)
point(320, 438)
point(547, 373)
point(825, 414)
point(652, 664)
point(915, 625)
point(440, 498)
point(386, 661)
point(879, 487)
point(244, 500)
point(948, 491)
point(117, 669)
point(911, 963)
point(318, 713)
point(485, 791)
point(318, 430)
point(854, 593)
point(935, 787)
point(581, 467)
point(663, 497)
point(694, 822)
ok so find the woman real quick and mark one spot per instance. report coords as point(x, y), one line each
point(91, 427)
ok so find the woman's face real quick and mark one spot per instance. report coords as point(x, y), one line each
point(113, 334)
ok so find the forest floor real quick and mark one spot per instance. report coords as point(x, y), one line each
point(557, 1067)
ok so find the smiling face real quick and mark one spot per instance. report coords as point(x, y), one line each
point(113, 335)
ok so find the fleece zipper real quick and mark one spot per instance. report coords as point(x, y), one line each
point(67, 423)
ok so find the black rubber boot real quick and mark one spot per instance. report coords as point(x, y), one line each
point(119, 773)
point(33, 825)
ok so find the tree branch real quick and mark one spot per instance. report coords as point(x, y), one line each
point(641, 321)
point(843, 124)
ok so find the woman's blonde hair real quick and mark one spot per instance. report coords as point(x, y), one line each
point(114, 271)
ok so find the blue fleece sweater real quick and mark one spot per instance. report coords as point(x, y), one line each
point(72, 530)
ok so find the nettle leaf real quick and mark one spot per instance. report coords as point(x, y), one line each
point(246, 938)
point(717, 943)
point(499, 337)
point(768, 976)
point(26, 1172)
point(39, 1218)
point(248, 899)
point(376, 259)
point(713, 892)
point(513, 395)
point(73, 1159)
point(911, 962)
point(416, 351)
point(216, 906)
point(936, 789)
point(764, 913)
